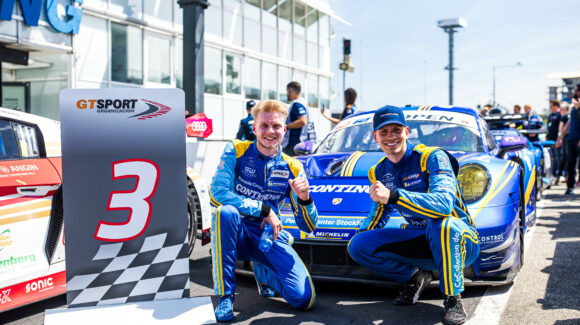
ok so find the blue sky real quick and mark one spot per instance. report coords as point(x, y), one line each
point(392, 40)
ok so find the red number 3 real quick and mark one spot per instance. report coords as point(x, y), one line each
point(136, 200)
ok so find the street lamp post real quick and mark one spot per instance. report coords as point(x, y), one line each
point(450, 26)
point(519, 64)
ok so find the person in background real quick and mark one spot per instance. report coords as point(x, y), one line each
point(485, 110)
point(297, 118)
point(564, 112)
point(533, 123)
point(433, 206)
point(553, 126)
point(245, 131)
point(517, 109)
point(572, 130)
point(349, 108)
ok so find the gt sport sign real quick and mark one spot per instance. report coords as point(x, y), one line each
point(124, 193)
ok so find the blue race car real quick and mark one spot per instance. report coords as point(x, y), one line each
point(500, 192)
point(541, 150)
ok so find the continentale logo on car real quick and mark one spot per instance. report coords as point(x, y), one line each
point(125, 106)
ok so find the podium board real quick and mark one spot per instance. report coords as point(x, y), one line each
point(124, 194)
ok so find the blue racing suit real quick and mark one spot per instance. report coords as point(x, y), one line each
point(246, 186)
point(245, 131)
point(439, 233)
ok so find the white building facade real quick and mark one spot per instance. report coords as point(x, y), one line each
point(253, 48)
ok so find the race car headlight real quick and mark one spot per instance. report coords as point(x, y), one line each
point(474, 180)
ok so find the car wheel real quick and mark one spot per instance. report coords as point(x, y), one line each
point(193, 211)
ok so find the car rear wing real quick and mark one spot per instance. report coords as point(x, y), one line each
point(503, 118)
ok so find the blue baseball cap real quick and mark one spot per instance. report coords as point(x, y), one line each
point(251, 103)
point(388, 115)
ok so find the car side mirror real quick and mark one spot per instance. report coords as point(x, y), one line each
point(304, 148)
point(511, 143)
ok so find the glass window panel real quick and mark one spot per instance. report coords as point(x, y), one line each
point(300, 77)
point(312, 90)
point(233, 77)
point(126, 54)
point(159, 57)
point(312, 54)
point(179, 63)
point(213, 20)
point(232, 5)
point(270, 6)
point(284, 78)
point(300, 18)
point(285, 31)
point(324, 57)
point(93, 63)
point(299, 50)
point(270, 42)
point(131, 8)
point(312, 25)
point(44, 97)
point(324, 26)
point(213, 71)
point(252, 76)
point(324, 92)
point(178, 16)
point(252, 25)
point(159, 12)
point(269, 80)
point(233, 27)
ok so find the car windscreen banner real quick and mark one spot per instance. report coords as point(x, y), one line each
point(124, 195)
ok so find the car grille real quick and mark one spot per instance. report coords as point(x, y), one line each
point(324, 254)
point(55, 225)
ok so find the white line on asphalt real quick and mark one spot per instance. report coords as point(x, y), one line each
point(493, 303)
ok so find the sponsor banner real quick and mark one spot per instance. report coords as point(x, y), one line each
point(32, 290)
point(124, 199)
point(199, 126)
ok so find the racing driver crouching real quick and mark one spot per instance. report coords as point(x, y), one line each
point(421, 184)
point(252, 179)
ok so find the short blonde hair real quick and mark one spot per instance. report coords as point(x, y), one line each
point(270, 105)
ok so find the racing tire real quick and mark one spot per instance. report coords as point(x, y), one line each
point(193, 211)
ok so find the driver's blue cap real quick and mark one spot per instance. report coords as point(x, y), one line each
point(388, 115)
point(251, 103)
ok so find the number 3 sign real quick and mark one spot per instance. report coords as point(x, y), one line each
point(124, 194)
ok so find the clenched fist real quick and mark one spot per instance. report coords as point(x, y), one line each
point(379, 193)
point(300, 187)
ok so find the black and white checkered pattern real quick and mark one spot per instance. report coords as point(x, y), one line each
point(129, 271)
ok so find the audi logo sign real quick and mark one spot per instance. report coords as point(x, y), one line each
point(198, 126)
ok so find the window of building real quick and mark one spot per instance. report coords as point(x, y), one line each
point(131, 8)
point(178, 63)
point(312, 38)
point(158, 12)
point(213, 71)
point(213, 19)
point(252, 76)
point(284, 78)
point(158, 59)
point(252, 25)
point(312, 90)
point(324, 42)
point(269, 33)
point(324, 92)
point(233, 74)
point(285, 30)
point(126, 54)
point(269, 80)
point(299, 33)
point(300, 77)
point(233, 22)
point(93, 63)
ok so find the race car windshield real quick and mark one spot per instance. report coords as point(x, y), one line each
point(449, 136)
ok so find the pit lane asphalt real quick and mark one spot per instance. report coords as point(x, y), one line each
point(546, 291)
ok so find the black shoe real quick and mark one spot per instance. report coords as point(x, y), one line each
point(410, 290)
point(454, 311)
point(569, 191)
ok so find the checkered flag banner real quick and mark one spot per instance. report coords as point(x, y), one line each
point(130, 271)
